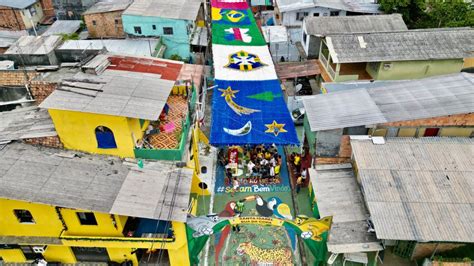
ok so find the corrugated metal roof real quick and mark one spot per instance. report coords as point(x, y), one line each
point(339, 195)
point(324, 26)
point(393, 102)
point(19, 4)
point(93, 182)
point(176, 9)
point(135, 47)
point(63, 27)
point(108, 6)
point(426, 44)
point(347, 5)
point(35, 45)
point(27, 122)
point(418, 189)
point(350, 5)
point(115, 92)
point(7, 38)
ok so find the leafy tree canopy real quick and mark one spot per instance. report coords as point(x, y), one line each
point(431, 13)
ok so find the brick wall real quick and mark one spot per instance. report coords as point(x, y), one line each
point(48, 8)
point(450, 120)
point(40, 90)
point(15, 77)
point(8, 19)
point(105, 26)
point(52, 142)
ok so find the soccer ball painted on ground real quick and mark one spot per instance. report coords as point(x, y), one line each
point(306, 235)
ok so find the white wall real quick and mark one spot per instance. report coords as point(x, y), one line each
point(289, 18)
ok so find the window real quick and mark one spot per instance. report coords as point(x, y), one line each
point(87, 218)
point(167, 30)
point(24, 216)
point(32, 10)
point(105, 138)
point(138, 30)
point(94, 23)
point(334, 13)
point(315, 14)
point(153, 27)
point(116, 21)
point(431, 132)
point(300, 15)
point(304, 37)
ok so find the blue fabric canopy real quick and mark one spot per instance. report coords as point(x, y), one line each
point(250, 112)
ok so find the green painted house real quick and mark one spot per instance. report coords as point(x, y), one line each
point(175, 22)
point(395, 55)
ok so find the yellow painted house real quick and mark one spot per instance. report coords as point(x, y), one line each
point(69, 208)
point(107, 114)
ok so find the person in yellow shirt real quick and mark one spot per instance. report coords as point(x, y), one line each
point(299, 183)
point(298, 163)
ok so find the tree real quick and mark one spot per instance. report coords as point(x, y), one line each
point(411, 10)
point(447, 14)
point(431, 13)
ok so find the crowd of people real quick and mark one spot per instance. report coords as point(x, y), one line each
point(261, 164)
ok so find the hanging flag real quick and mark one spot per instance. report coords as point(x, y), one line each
point(241, 35)
point(232, 4)
point(231, 16)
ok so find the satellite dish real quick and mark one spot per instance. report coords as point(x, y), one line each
point(298, 87)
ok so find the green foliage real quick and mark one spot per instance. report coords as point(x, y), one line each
point(431, 13)
point(176, 57)
point(446, 14)
point(72, 36)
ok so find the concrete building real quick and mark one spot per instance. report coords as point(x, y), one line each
point(104, 19)
point(20, 14)
point(317, 28)
point(399, 198)
point(417, 191)
point(33, 51)
point(70, 207)
point(292, 13)
point(174, 22)
point(395, 55)
point(280, 44)
point(438, 106)
point(124, 106)
point(78, 50)
point(8, 38)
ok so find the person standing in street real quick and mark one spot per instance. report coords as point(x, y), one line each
point(235, 186)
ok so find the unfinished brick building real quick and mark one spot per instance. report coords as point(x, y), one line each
point(104, 19)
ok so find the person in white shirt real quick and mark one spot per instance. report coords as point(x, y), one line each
point(250, 166)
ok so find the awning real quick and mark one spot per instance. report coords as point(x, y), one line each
point(250, 112)
point(297, 69)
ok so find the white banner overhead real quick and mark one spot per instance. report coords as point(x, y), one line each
point(243, 63)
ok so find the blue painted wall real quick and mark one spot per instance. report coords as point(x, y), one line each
point(178, 43)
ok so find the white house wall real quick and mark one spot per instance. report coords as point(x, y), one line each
point(289, 18)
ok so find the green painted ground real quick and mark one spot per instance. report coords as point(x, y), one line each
point(268, 241)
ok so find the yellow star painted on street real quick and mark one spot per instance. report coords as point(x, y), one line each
point(228, 92)
point(275, 128)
